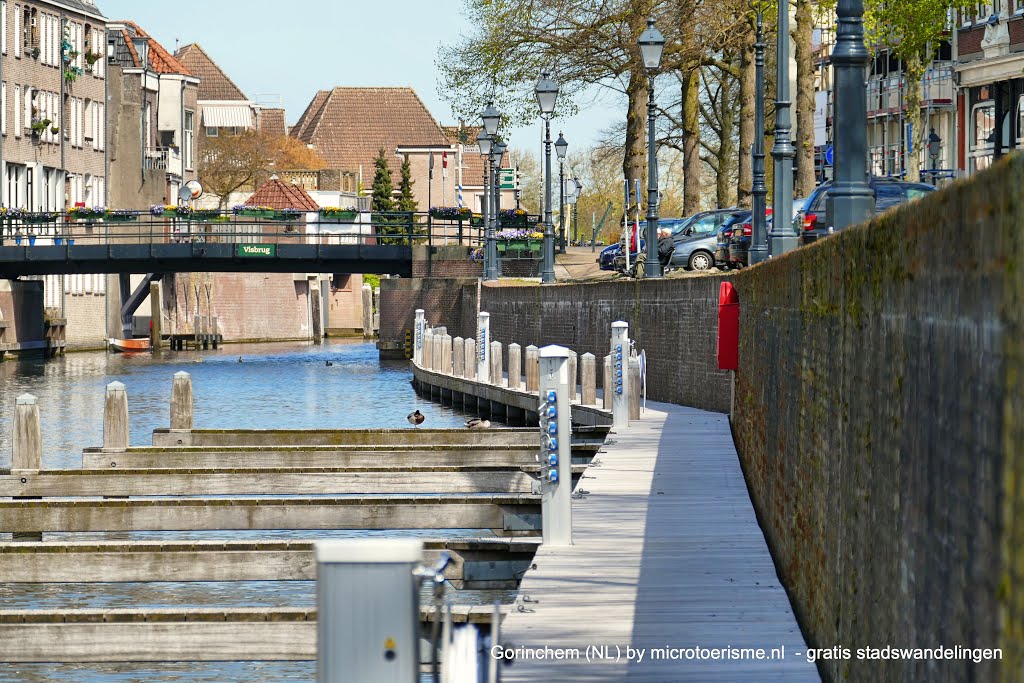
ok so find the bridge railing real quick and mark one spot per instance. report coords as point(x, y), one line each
point(179, 225)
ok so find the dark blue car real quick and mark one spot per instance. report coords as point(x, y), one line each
point(606, 259)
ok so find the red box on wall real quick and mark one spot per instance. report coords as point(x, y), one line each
point(728, 327)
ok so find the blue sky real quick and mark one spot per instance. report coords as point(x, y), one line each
point(292, 49)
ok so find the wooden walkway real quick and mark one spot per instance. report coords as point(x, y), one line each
point(667, 554)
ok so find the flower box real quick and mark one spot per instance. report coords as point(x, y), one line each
point(285, 215)
point(450, 213)
point(477, 221)
point(339, 215)
point(255, 213)
point(121, 217)
point(39, 219)
point(204, 215)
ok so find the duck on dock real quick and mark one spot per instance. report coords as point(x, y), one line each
point(416, 418)
point(477, 423)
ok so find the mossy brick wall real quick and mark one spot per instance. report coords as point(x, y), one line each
point(675, 321)
point(880, 421)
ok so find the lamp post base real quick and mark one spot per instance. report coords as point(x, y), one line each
point(757, 255)
point(777, 246)
point(852, 203)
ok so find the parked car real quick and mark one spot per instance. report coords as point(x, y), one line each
point(696, 241)
point(741, 235)
point(811, 223)
point(606, 260)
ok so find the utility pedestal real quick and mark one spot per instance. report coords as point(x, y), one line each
point(417, 346)
point(483, 348)
point(619, 383)
point(556, 455)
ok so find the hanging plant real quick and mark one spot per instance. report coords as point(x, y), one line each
point(71, 74)
point(40, 126)
point(91, 57)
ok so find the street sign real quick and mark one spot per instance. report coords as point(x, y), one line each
point(256, 250)
point(829, 155)
point(508, 179)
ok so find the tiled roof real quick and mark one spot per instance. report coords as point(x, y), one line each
point(272, 121)
point(214, 84)
point(279, 195)
point(81, 6)
point(347, 126)
point(160, 60)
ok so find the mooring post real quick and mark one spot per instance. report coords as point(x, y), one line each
point(495, 370)
point(470, 349)
point(115, 417)
point(154, 316)
point(634, 388)
point(368, 620)
point(27, 451)
point(588, 379)
point(515, 366)
point(181, 402)
point(446, 354)
point(367, 306)
point(483, 347)
point(459, 357)
point(555, 436)
point(417, 346)
point(425, 351)
point(620, 369)
point(532, 360)
point(572, 375)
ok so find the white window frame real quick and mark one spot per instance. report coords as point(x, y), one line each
point(17, 110)
point(18, 37)
point(188, 143)
point(3, 27)
point(3, 108)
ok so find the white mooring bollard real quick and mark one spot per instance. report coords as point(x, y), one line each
point(620, 374)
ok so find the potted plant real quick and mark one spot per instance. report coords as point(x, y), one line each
point(451, 213)
point(287, 215)
point(91, 58)
point(253, 211)
point(341, 213)
point(512, 218)
point(121, 216)
point(39, 126)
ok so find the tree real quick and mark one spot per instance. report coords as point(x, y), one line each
point(291, 154)
point(803, 47)
point(229, 163)
point(531, 186)
point(406, 200)
point(382, 188)
point(912, 29)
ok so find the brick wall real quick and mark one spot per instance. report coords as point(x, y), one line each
point(969, 42)
point(448, 261)
point(675, 321)
point(880, 422)
point(442, 300)
point(21, 307)
point(1015, 27)
point(86, 316)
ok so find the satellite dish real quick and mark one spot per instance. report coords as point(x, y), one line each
point(195, 188)
point(184, 194)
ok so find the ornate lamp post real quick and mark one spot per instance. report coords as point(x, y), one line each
point(547, 94)
point(651, 44)
point(485, 143)
point(497, 153)
point(783, 237)
point(490, 117)
point(934, 151)
point(560, 148)
point(574, 199)
point(759, 241)
point(851, 199)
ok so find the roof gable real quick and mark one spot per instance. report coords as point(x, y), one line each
point(280, 195)
point(348, 126)
point(160, 60)
point(214, 84)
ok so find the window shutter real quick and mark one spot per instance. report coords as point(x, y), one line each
point(3, 108)
point(17, 110)
point(44, 34)
point(3, 27)
point(17, 31)
point(28, 106)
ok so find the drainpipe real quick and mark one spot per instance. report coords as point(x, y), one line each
point(3, 176)
point(63, 126)
point(106, 120)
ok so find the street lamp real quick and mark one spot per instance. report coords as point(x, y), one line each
point(851, 199)
point(576, 210)
point(547, 95)
point(651, 44)
point(759, 240)
point(491, 118)
point(497, 153)
point(486, 142)
point(560, 148)
point(934, 150)
point(783, 237)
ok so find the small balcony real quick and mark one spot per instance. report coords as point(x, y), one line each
point(166, 159)
point(886, 96)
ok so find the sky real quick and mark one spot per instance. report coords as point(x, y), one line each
point(282, 53)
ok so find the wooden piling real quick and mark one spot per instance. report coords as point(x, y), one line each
point(515, 366)
point(606, 387)
point(470, 357)
point(588, 379)
point(115, 417)
point(459, 357)
point(367, 305)
point(154, 313)
point(181, 401)
point(634, 388)
point(571, 364)
point(532, 368)
point(495, 369)
point(446, 354)
point(28, 436)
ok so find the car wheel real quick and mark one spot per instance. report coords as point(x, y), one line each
point(701, 260)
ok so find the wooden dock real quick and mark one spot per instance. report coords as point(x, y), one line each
point(667, 554)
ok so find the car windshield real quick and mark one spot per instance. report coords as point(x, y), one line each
point(682, 225)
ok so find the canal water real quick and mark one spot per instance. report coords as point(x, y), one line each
point(288, 385)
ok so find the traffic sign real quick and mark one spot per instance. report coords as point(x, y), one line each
point(829, 155)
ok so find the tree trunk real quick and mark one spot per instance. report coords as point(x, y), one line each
point(914, 66)
point(805, 180)
point(725, 195)
point(691, 142)
point(634, 164)
point(745, 179)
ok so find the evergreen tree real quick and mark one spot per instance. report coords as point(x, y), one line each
point(382, 187)
point(406, 200)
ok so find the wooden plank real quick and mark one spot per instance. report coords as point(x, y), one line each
point(62, 483)
point(173, 635)
point(221, 438)
point(133, 561)
point(181, 514)
point(666, 552)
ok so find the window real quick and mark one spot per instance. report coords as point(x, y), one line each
point(3, 27)
point(12, 186)
point(887, 195)
point(984, 125)
point(30, 203)
point(17, 30)
point(3, 108)
point(17, 112)
point(211, 131)
point(704, 226)
point(1020, 112)
point(187, 142)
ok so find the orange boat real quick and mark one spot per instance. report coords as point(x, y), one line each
point(130, 345)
